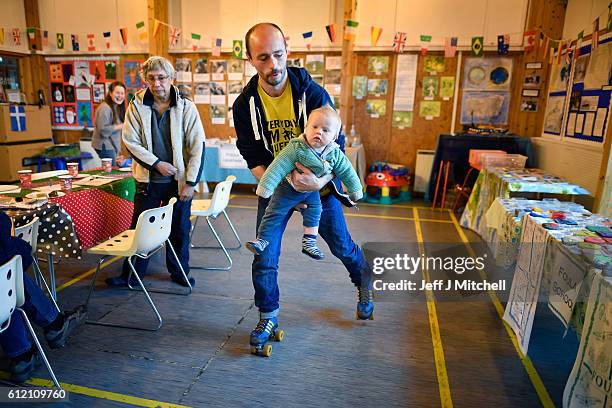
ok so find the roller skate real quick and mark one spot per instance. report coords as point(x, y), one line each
point(265, 331)
point(365, 305)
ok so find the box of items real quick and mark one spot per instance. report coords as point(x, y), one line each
point(24, 123)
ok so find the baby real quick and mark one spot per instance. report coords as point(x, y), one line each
point(317, 150)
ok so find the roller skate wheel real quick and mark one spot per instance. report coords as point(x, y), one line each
point(267, 350)
point(372, 315)
point(279, 335)
point(253, 350)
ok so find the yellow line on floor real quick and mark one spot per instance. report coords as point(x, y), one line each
point(101, 394)
point(443, 385)
point(384, 217)
point(86, 274)
point(527, 363)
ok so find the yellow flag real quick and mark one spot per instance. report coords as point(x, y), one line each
point(1, 35)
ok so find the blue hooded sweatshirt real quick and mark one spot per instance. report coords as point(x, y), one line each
point(254, 139)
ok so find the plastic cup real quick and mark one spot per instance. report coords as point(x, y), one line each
point(66, 183)
point(25, 178)
point(107, 165)
point(73, 169)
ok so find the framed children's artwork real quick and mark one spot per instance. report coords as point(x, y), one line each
point(98, 92)
point(532, 81)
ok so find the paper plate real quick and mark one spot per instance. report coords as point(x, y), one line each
point(40, 195)
point(125, 169)
point(9, 188)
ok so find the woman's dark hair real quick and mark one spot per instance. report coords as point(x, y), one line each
point(118, 110)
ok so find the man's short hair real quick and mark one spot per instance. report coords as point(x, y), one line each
point(247, 36)
point(156, 63)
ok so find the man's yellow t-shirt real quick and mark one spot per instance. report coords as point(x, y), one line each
point(280, 115)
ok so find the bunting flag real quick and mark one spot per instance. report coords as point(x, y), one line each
point(308, 39)
point(609, 25)
point(595, 39)
point(578, 44)
point(450, 47)
point(331, 32)
point(568, 60)
point(91, 42)
point(106, 36)
point(350, 30)
point(156, 26)
point(174, 35)
point(124, 35)
point(375, 33)
point(559, 51)
point(75, 42)
point(477, 46)
point(45, 39)
point(1, 35)
point(31, 37)
point(529, 40)
point(425, 40)
point(551, 57)
point(503, 44)
point(237, 49)
point(399, 42)
point(546, 48)
point(142, 31)
point(60, 41)
point(16, 36)
point(216, 47)
point(195, 41)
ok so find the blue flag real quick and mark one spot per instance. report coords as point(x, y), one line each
point(18, 118)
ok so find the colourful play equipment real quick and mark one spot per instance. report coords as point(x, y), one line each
point(384, 178)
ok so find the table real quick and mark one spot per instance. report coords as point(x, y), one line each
point(81, 219)
point(500, 182)
point(214, 172)
point(456, 149)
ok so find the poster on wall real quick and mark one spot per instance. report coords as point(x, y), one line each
point(487, 74)
point(587, 111)
point(77, 86)
point(485, 108)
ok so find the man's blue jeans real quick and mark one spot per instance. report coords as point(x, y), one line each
point(284, 199)
point(332, 229)
point(15, 339)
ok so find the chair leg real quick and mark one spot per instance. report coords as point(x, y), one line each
point(93, 281)
point(144, 290)
point(40, 349)
point(227, 256)
point(439, 175)
point(41, 280)
point(167, 291)
point(216, 247)
point(446, 171)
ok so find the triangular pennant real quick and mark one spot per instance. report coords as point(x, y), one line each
point(16, 36)
point(106, 36)
point(425, 40)
point(331, 32)
point(195, 41)
point(477, 46)
point(237, 49)
point(502, 44)
point(216, 47)
point(399, 42)
point(174, 35)
point(142, 31)
point(60, 41)
point(91, 42)
point(124, 35)
point(1, 35)
point(529, 40)
point(307, 39)
point(31, 37)
point(74, 38)
point(375, 33)
point(350, 30)
point(156, 27)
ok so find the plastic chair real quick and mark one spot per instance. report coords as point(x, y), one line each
point(12, 297)
point(212, 209)
point(150, 235)
point(29, 233)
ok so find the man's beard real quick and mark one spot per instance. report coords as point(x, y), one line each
point(280, 79)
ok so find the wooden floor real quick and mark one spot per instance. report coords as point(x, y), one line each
point(413, 354)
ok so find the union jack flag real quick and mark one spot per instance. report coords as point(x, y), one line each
point(175, 35)
point(16, 36)
point(399, 42)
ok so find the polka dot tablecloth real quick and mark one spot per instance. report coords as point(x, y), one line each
point(81, 219)
point(97, 215)
point(56, 232)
